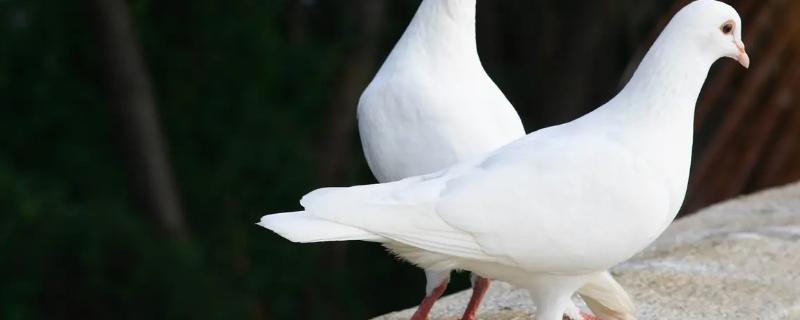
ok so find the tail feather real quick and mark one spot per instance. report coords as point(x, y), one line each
point(302, 227)
point(607, 299)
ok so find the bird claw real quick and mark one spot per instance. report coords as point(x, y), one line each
point(583, 316)
point(587, 316)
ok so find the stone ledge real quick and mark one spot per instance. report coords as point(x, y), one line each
point(739, 259)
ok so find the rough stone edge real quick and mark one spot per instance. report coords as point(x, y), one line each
point(684, 230)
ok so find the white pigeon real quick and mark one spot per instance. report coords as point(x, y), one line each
point(549, 211)
point(432, 105)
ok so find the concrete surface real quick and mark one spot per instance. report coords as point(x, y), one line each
point(739, 259)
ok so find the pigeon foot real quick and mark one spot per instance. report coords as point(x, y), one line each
point(479, 287)
point(584, 316)
point(427, 304)
point(589, 317)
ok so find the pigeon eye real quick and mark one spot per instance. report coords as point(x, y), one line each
point(727, 27)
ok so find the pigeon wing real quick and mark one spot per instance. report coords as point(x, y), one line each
point(542, 203)
point(549, 201)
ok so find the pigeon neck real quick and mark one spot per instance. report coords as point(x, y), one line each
point(444, 28)
point(670, 76)
point(657, 106)
point(455, 9)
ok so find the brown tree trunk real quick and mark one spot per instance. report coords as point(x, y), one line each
point(742, 112)
point(336, 135)
point(354, 75)
point(131, 98)
point(297, 22)
point(339, 119)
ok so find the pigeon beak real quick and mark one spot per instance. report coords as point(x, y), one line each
point(742, 57)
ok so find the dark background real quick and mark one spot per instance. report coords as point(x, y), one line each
point(141, 140)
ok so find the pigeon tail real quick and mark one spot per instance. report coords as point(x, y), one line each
point(607, 299)
point(302, 227)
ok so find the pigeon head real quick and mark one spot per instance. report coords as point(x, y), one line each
point(715, 26)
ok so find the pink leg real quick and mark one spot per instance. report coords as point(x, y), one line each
point(479, 288)
point(427, 304)
point(584, 316)
point(587, 316)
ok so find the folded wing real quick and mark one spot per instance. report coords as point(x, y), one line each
point(542, 203)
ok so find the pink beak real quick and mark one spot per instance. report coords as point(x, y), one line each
point(743, 58)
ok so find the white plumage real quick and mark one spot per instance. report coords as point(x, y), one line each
point(549, 211)
point(432, 104)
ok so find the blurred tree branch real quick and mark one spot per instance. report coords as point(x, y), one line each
point(353, 76)
point(336, 134)
point(131, 97)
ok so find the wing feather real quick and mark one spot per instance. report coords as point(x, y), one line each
point(533, 204)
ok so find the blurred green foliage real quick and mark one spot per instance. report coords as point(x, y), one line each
point(238, 104)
